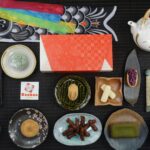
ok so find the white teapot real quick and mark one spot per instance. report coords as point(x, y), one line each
point(141, 31)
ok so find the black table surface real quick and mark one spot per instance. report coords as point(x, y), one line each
point(127, 10)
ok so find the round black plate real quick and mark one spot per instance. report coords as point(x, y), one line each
point(15, 123)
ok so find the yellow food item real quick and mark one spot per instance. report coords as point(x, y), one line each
point(107, 92)
point(73, 92)
point(30, 128)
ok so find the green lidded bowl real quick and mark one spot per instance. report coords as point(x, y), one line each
point(61, 92)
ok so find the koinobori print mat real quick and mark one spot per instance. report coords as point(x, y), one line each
point(88, 20)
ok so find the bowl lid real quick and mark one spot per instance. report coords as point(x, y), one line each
point(18, 61)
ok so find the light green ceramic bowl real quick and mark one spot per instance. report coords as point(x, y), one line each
point(61, 126)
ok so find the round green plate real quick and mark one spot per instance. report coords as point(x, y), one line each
point(61, 92)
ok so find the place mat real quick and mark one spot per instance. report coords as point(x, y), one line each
point(127, 10)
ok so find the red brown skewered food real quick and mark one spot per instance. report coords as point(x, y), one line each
point(80, 128)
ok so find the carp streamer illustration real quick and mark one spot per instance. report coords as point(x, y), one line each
point(23, 23)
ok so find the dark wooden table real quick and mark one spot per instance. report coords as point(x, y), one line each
point(127, 10)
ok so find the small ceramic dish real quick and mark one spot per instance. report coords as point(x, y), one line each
point(131, 94)
point(61, 126)
point(14, 128)
point(61, 92)
point(116, 85)
point(18, 61)
point(123, 116)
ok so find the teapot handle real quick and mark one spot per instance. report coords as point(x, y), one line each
point(147, 15)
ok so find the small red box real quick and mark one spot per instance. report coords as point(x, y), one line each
point(76, 53)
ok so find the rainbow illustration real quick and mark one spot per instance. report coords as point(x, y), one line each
point(47, 16)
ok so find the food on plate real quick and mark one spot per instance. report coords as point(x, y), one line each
point(125, 130)
point(30, 128)
point(79, 127)
point(107, 92)
point(132, 77)
point(73, 92)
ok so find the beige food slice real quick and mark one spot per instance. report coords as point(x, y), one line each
point(73, 92)
point(107, 92)
point(116, 86)
point(30, 128)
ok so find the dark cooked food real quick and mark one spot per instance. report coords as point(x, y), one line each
point(30, 128)
point(124, 130)
point(132, 77)
point(79, 127)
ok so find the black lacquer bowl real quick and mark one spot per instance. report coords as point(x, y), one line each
point(15, 123)
point(61, 92)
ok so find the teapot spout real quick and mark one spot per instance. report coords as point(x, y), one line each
point(131, 23)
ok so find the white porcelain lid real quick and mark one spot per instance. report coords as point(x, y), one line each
point(18, 61)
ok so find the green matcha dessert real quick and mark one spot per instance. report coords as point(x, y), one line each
point(125, 130)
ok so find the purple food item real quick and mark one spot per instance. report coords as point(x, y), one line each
point(132, 77)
